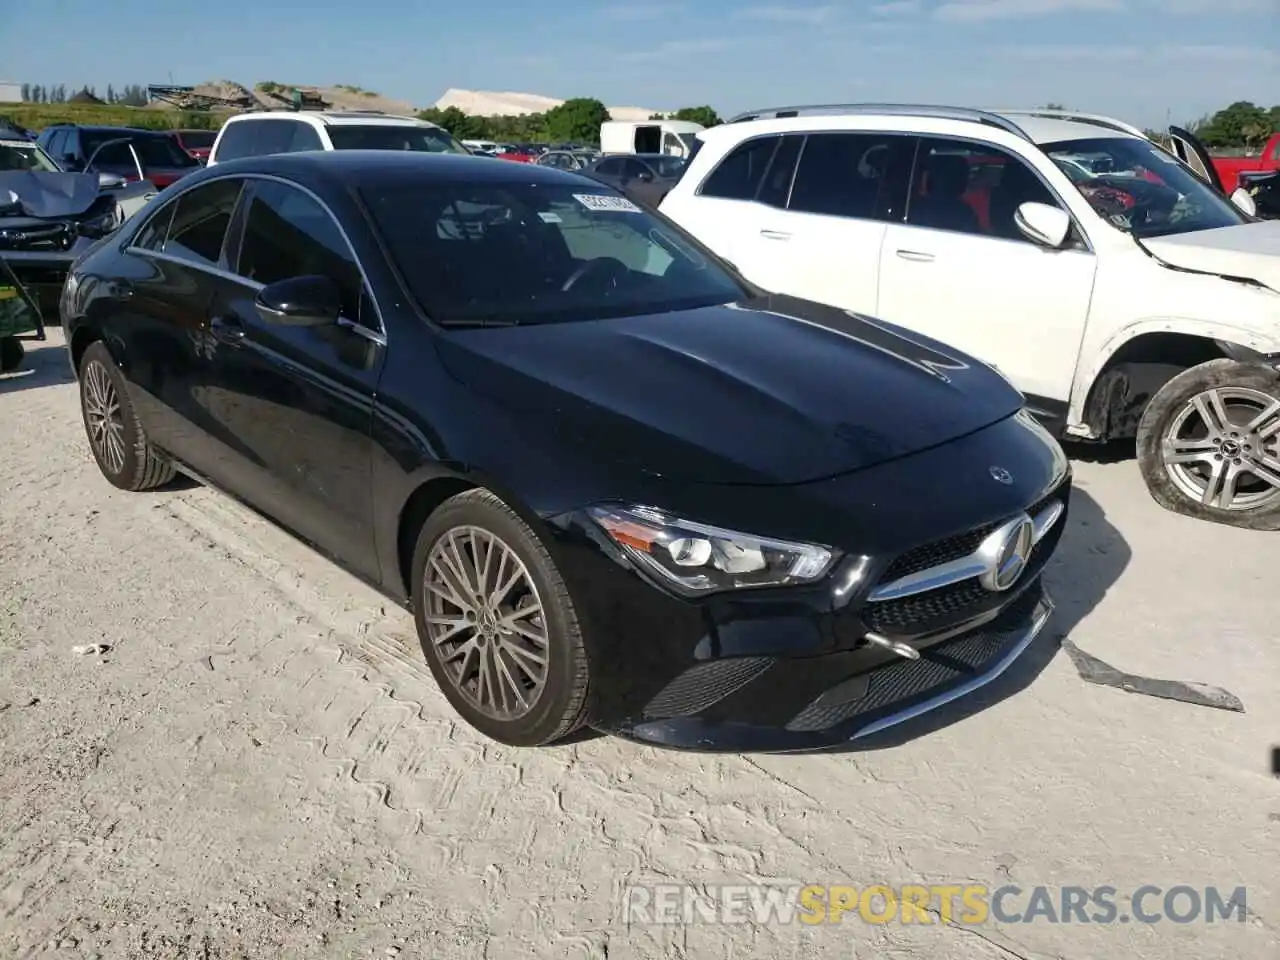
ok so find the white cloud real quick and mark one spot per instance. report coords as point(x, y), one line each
point(974, 11)
point(1169, 53)
point(809, 15)
point(896, 8)
point(678, 48)
point(635, 13)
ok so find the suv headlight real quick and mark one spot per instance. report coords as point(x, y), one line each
point(101, 224)
point(695, 558)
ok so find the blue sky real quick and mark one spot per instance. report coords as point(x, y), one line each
point(1143, 60)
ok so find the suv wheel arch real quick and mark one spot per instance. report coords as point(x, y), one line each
point(1132, 374)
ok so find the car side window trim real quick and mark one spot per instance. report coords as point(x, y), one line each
point(1076, 226)
point(379, 335)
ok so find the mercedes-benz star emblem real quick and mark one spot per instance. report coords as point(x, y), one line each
point(1000, 475)
point(1005, 553)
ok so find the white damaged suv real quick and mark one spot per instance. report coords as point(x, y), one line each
point(1119, 291)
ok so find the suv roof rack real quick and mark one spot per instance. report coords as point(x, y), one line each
point(1095, 119)
point(894, 109)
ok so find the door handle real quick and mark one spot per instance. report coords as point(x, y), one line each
point(228, 330)
point(775, 234)
point(915, 255)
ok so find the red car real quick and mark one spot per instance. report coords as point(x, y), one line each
point(198, 143)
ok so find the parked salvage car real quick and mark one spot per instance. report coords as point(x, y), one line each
point(127, 152)
point(616, 484)
point(48, 215)
point(645, 178)
point(1121, 293)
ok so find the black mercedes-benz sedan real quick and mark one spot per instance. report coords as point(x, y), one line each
point(616, 484)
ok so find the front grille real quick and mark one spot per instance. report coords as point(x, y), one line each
point(935, 609)
point(953, 547)
point(895, 685)
point(37, 238)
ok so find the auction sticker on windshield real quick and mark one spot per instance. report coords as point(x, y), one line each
point(604, 202)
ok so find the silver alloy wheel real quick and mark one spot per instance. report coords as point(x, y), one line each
point(103, 416)
point(1223, 448)
point(485, 621)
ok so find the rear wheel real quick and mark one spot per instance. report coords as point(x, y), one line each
point(497, 624)
point(116, 436)
point(1209, 444)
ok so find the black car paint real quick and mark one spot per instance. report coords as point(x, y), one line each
point(348, 439)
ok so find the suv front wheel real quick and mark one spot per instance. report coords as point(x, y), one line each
point(1209, 444)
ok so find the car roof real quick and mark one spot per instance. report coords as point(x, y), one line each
point(107, 128)
point(378, 167)
point(331, 118)
point(1037, 127)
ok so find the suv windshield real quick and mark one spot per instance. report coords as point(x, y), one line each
point(25, 155)
point(393, 137)
point(1140, 188)
point(506, 253)
point(154, 150)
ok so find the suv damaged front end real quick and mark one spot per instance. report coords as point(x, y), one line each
point(46, 220)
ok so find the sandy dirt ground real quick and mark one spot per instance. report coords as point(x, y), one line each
point(260, 766)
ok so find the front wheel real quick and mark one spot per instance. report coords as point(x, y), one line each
point(497, 624)
point(1209, 444)
point(116, 436)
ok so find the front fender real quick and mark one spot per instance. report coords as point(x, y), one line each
point(1241, 338)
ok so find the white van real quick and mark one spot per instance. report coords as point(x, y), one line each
point(673, 137)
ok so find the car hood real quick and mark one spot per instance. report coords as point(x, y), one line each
point(44, 193)
point(770, 390)
point(1250, 251)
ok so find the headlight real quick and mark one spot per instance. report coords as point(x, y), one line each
point(695, 558)
point(100, 225)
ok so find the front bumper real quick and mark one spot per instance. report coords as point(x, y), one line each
point(804, 668)
point(834, 702)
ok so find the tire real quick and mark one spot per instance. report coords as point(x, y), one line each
point(115, 434)
point(552, 708)
point(1229, 468)
point(11, 353)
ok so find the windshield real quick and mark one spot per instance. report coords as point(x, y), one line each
point(156, 150)
point(25, 155)
point(393, 137)
point(483, 253)
point(1139, 188)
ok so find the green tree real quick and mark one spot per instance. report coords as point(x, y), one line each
point(577, 120)
point(1234, 126)
point(26, 92)
point(703, 115)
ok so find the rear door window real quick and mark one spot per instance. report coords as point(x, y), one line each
point(740, 174)
point(776, 186)
point(857, 175)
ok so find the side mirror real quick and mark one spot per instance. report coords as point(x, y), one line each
point(300, 302)
point(110, 181)
point(645, 177)
point(1043, 224)
point(1244, 201)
